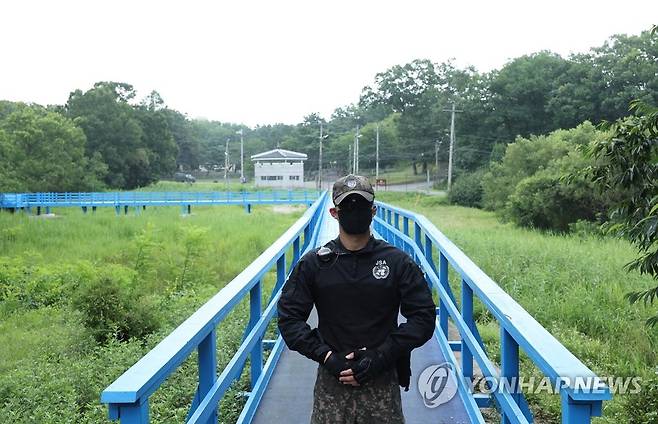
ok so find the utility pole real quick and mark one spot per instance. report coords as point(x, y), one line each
point(452, 141)
point(377, 154)
point(355, 163)
point(241, 156)
point(350, 158)
point(226, 163)
point(322, 137)
point(437, 144)
point(436, 157)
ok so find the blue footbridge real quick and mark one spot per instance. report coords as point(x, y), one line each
point(139, 200)
point(281, 381)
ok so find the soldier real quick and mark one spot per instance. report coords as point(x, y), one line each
point(358, 284)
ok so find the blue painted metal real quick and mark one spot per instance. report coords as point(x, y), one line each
point(582, 393)
point(208, 368)
point(467, 314)
point(145, 198)
point(127, 397)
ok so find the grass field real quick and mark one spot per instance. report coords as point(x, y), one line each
point(52, 369)
point(574, 285)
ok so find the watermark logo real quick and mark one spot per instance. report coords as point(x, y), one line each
point(436, 384)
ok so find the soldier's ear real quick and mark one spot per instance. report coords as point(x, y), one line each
point(374, 210)
point(333, 212)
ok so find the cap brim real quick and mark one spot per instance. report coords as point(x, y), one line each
point(368, 196)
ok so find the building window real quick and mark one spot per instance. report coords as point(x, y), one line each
point(294, 177)
point(271, 177)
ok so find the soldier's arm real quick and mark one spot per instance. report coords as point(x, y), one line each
point(417, 306)
point(294, 308)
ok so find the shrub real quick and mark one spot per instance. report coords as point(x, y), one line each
point(38, 286)
point(642, 407)
point(546, 200)
point(467, 190)
point(527, 156)
point(110, 309)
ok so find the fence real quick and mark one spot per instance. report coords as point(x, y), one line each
point(582, 393)
point(128, 396)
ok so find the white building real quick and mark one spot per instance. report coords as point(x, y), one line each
point(279, 168)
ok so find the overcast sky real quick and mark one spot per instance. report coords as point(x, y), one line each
point(262, 62)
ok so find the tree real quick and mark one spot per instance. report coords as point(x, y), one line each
point(186, 139)
point(629, 69)
point(156, 136)
point(521, 90)
point(114, 131)
point(400, 86)
point(628, 165)
point(45, 151)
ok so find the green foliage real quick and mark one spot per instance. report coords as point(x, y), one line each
point(194, 243)
point(546, 200)
point(572, 285)
point(131, 144)
point(44, 151)
point(467, 190)
point(112, 309)
point(521, 90)
point(628, 164)
point(642, 407)
point(67, 281)
point(24, 285)
point(525, 157)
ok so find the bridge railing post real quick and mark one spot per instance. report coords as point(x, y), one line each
point(418, 236)
point(405, 225)
point(208, 368)
point(509, 364)
point(295, 250)
point(443, 280)
point(579, 412)
point(255, 311)
point(130, 413)
point(467, 315)
point(396, 223)
point(280, 272)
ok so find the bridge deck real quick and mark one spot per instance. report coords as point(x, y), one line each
point(289, 395)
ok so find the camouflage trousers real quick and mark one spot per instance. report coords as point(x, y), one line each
point(377, 401)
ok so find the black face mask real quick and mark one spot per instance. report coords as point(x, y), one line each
point(356, 220)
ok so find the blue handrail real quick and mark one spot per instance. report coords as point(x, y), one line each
point(127, 397)
point(151, 198)
point(582, 393)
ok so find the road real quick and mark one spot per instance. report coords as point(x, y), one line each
point(408, 187)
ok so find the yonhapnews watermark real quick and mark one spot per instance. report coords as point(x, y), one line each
point(437, 384)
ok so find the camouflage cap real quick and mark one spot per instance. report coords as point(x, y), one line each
point(351, 183)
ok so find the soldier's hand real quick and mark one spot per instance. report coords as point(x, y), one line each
point(335, 363)
point(368, 364)
point(347, 376)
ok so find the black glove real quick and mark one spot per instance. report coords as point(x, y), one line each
point(368, 364)
point(335, 363)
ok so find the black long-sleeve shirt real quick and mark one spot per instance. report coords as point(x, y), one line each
point(357, 295)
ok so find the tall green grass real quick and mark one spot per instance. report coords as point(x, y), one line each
point(51, 368)
point(574, 285)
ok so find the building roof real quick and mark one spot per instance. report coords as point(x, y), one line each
point(279, 154)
